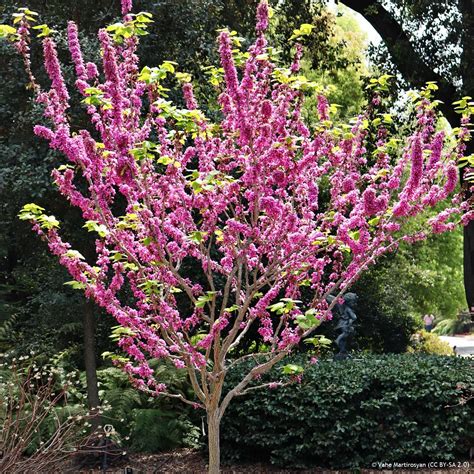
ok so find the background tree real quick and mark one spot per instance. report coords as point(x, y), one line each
point(431, 41)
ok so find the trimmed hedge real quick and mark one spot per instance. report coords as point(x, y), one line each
point(350, 414)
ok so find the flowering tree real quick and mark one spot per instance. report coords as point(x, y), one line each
point(261, 204)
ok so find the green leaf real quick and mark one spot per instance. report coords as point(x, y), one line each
point(27, 11)
point(197, 237)
point(45, 30)
point(24, 14)
point(129, 266)
point(151, 287)
point(325, 341)
point(318, 341)
point(74, 254)
point(197, 186)
point(308, 320)
point(276, 307)
point(65, 167)
point(292, 369)
point(203, 299)
point(117, 256)
point(48, 222)
point(304, 30)
point(183, 77)
point(354, 235)
point(165, 160)
point(95, 97)
point(381, 173)
point(284, 306)
point(374, 222)
point(119, 331)
point(94, 226)
point(144, 17)
point(76, 285)
point(168, 66)
point(30, 212)
point(7, 31)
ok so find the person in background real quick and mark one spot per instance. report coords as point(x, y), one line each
point(428, 320)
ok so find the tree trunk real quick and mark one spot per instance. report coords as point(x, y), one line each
point(469, 263)
point(467, 63)
point(90, 362)
point(213, 435)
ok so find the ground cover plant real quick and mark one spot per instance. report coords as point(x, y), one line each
point(264, 205)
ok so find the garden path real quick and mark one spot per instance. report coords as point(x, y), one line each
point(464, 344)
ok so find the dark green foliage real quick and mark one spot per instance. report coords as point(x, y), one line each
point(157, 430)
point(384, 310)
point(352, 413)
point(44, 316)
point(149, 424)
point(323, 48)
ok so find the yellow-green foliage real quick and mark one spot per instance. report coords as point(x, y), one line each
point(429, 343)
point(343, 84)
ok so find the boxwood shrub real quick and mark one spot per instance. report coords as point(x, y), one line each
point(350, 414)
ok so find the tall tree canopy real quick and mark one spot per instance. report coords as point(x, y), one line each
point(431, 41)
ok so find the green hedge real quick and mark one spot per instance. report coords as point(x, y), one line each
point(350, 414)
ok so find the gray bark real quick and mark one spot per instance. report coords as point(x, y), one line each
point(90, 363)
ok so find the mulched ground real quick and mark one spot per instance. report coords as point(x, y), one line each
point(187, 461)
point(183, 461)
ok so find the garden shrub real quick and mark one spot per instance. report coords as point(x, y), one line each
point(353, 413)
point(41, 426)
point(429, 343)
point(459, 324)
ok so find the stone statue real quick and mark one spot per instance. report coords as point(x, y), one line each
point(345, 322)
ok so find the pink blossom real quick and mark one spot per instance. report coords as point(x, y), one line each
point(188, 93)
point(92, 71)
point(126, 6)
point(323, 108)
point(451, 179)
point(75, 49)
point(43, 132)
point(262, 16)
point(179, 364)
point(53, 69)
point(227, 61)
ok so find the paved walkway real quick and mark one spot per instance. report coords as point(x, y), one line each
point(464, 344)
